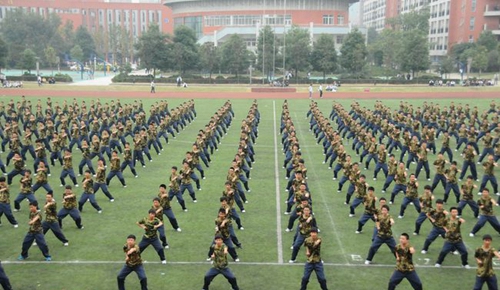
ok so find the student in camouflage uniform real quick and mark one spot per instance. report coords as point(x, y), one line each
point(185, 178)
point(426, 205)
point(127, 160)
point(437, 216)
point(453, 238)
point(150, 225)
point(159, 215)
point(400, 179)
point(4, 280)
point(451, 181)
point(26, 191)
point(384, 224)
point(469, 156)
point(167, 208)
point(35, 233)
point(369, 202)
point(222, 226)
point(486, 204)
point(468, 197)
point(88, 193)
point(68, 169)
point(50, 222)
point(489, 174)
point(5, 202)
point(484, 258)
point(69, 208)
point(219, 258)
point(41, 179)
point(133, 263)
point(411, 196)
point(115, 169)
point(18, 168)
point(306, 223)
point(100, 180)
point(404, 265)
point(314, 262)
point(174, 188)
point(360, 188)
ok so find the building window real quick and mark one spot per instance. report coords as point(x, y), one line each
point(473, 6)
point(471, 39)
point(328, 19)
point(471, 24)
point(340, 19)
point(340, 39)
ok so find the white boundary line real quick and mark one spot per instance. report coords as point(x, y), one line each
point(277, 182)
point(322, 193)
point(76, 262)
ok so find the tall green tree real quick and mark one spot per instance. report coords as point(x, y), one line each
point(22, 30)
point(298, 49)
point(209, 57)
point(4, 52)
point(77, 53)
point(67, 33)
point(51, 57)
point(28, 60)
point(413, 20)
point(236, 57)
point(479, 56)
point(324, 55)
point(414, 55)
point(184, 49)
point(85, 41)
point(152, 49)
point(353, 52)
point(268, 52)
point(488, 40)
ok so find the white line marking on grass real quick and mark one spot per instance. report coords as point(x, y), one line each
point(277, 182)
point(83, 263)
point(322, 193)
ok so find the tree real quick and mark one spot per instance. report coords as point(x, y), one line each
point(493, 60)
point(28, 60)
point(77, 53)
point(298, 49)
point(488, 40)
point(208, 57)
point(68, 36)
point(85, 41)
point(479, 56)
point(267, 51)
point(324, 55)
point(184, 50)
point(152, 49)
point(353, 52)
point(236, 57)
point(371, 35)
point(416, 19)
point(51, 57)
point(22, 30)
point(414, 55)
point(4, 52)
point(446, 66)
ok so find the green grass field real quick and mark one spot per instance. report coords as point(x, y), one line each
point(95, 256)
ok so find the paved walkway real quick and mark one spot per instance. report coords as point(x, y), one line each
point(102, 81)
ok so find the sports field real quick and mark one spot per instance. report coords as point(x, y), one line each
point(95, 256)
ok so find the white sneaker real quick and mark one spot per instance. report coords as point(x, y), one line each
point(390, 202)
point(16, 226)
point(288, 230)
point(76, 185)
point(179, 230)
point(167, 247)
point(351, 215)
point(471, 235)
point(136, 176)
point(437, 265)
point(423, 252)
point(49, 174)
point(186, 210)
point(112, 200)
point(368, 262)
point(383, 191)
point(242, 228)
point(243, 211)
point(164, 262)
point(374, 178)
point(466, 267)
point(237, 260)
point(334, 178)
point(60, 185)
point(209, 259)
point(66, 244)
point(415, 233)
point(456, 253)
point(291, 248)
point(400, 216)
point(357, 232)
point(428, 179)
point(287, 213)
point(291, 261)
point(99, 211)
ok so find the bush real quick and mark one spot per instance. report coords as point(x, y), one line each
point(63, 78)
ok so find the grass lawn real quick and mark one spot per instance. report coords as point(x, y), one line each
point(95, 255)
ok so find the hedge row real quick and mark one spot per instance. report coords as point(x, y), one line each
point(33, 78)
